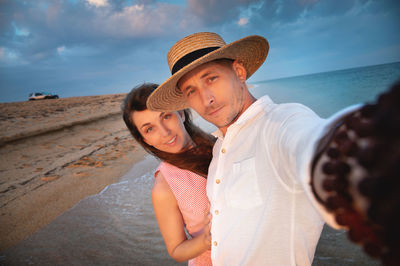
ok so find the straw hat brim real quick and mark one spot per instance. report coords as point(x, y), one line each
point(251, 51)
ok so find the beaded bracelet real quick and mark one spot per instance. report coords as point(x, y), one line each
point(356, 176)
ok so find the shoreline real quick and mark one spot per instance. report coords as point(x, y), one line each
point(56, 153)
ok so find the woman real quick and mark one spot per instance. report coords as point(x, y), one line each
point(179, 192)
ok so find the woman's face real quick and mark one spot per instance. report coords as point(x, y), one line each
point(163, 130)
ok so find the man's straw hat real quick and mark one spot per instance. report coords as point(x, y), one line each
point(200, 48)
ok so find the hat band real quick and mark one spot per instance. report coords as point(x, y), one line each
point(190, 57)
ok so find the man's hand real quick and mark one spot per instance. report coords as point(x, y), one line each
point(356, 176)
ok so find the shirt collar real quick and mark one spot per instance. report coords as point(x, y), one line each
point(254, 109)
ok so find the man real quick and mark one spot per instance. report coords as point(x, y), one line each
point(265, 212)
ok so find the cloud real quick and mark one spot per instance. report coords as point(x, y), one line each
point(98, 3)
point(61, 49)
point(19, 31)
point(10, 57)
point(36, 31)
point(243, 21)
point(137, 21)
point(312, 39)
point(212, 12)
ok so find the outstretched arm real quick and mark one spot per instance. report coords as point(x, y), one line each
point(356, 176)
point(171, 224)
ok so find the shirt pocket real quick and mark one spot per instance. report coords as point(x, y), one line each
point(242, 190)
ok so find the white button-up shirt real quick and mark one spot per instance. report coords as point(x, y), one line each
point(258, 184)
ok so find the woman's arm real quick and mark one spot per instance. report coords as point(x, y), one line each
point(171, 224)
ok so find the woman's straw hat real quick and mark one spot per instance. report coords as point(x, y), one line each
point(197, 49)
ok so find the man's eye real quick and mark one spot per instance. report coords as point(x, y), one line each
point(149, 129)
point(167, 116)
point(213, 78)
point(190, 92)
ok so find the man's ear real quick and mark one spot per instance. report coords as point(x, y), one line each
point(181, 113)
point(240, 70)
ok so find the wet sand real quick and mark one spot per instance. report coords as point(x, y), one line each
point(55, 153)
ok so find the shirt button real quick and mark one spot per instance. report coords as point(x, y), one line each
point(217, 181)
point(216, 212)
point(223, 150)
point(215, 243)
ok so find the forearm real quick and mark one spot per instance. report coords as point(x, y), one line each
point(355, 176)
point(190, 249)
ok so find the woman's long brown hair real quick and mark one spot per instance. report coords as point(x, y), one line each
point(196, 159)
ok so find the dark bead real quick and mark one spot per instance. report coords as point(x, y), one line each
point(365, 128)
point(341, 186)
point(367, 156)
point(328, 184)
point(348, 148)
point(352, 122)
point(333, 153)
point(328, 168)
point(340, 137)
point(336, 202)
point(346, 217)
point(342, 168)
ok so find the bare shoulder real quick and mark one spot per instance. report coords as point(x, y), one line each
point(161, 190)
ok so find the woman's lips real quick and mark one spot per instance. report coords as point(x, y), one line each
point(172, 140)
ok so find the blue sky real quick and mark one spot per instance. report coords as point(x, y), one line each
point(88, 47)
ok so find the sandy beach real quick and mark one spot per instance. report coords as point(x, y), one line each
point(53, 154)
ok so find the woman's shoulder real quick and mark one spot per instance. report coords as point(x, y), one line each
point(161, 188)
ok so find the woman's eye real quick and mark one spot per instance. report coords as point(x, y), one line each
point(149, 129)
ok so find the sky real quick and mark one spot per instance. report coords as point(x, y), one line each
point(91, 47)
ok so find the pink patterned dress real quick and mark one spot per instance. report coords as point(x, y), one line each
point(190, 193)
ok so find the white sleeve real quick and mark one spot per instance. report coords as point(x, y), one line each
point(298, 135)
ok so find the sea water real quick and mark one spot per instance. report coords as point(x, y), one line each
point(117, 226)
point(328, 92)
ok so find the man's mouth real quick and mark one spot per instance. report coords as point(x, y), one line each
point(214, 111)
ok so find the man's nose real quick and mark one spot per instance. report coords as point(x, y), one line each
point(207, 97)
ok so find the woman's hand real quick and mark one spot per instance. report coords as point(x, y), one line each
point(206, 235)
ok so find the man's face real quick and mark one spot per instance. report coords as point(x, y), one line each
point(216, 91)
